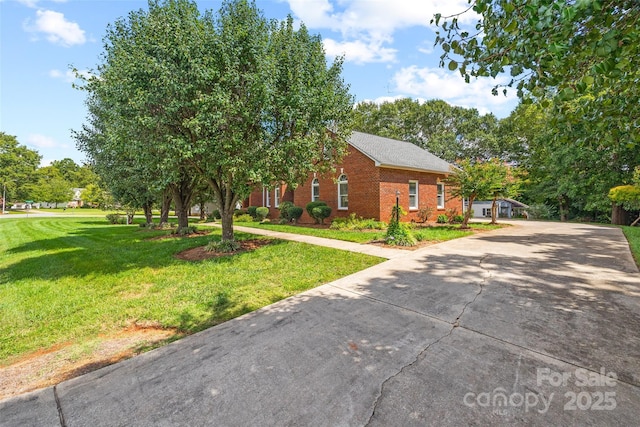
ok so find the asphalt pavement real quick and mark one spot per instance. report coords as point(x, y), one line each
point(533, 324)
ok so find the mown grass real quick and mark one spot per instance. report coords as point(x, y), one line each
point(71, 279)
point(633, 237)
point(435, 233)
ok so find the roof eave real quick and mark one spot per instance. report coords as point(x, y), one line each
point(406, 168)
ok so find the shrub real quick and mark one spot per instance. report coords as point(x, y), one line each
point(424, 214)
point(442, 219)
point(116, 219)
point(541, 211)
point(398, 233)
point(239, 212)
point(311, 206)
point(284, 210)
point(224, 246)
point(294, 213)
point(184, 231)
point(356, 223)
point(261, 213)
point(251, 210)
point(216, 214)
point(320, 213)
point(243, 218)
point(458, 219)
point(451, 214)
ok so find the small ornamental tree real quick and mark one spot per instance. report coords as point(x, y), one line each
point(475, 181)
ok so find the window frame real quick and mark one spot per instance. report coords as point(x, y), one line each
point(267, 198)
point(276, 196)
point(416, 204)
point(440, 195)
point(315, 185)
point(341, 182)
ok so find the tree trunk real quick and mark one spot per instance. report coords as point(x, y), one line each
point(467, 213)
point(227, 224)
point(203, 216)
point(564, 208)
point(619, 216)
point(181, 202)
point(636, 221)
point(164, 208)
point(494, 210)
point(148, 214)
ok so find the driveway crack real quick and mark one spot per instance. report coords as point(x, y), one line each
point(454, 325)
point(59, 406)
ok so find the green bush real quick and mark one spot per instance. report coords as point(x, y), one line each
point(321, 212)
point(284, 210)
point(184, 231)
point(239, 212)
point(224, 246)
point(399, 234)
point(294, 213)
point(541, 211)
point(442, 219)
point(311, 206)
point(261, 213)
point(116, 218)
point(243, 218)
point(216, 214)
point(457, 219)
point(251, 210)
point(353, 222)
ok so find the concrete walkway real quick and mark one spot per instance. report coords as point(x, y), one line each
point(379, 251)
point(535, 324)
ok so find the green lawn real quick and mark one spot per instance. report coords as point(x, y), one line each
point(633, 236)
point(437, 233)
point(70, 279)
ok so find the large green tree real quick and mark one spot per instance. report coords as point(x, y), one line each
point(449, 132)
point(236, 99)
point(18, 165)
point(575, 58)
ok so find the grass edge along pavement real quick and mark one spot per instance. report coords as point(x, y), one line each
point(71, 279)
point(633, 237)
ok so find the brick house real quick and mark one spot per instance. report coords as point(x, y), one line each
point(366, 182)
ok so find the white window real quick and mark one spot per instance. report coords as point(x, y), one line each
point(343, 192)
point(440, 195)
point(267, 197)
point(315, 190)
point(413, 195)
point(276, 196)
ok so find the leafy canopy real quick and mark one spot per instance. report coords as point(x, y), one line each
point(231, 97)
point(559, 51)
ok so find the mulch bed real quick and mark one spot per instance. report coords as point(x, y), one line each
point(200, 254)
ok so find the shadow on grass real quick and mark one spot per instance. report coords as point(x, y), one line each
point(103, 249)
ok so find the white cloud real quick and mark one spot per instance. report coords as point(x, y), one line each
point(436, 83)
point(34, 3)
point(368, 25)
point(68, 75)
point(41, 141)
point(359, 51)
point(56, 28)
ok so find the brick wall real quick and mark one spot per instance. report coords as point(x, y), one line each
point(397, 179)
point(372, 191)
point(362, 178)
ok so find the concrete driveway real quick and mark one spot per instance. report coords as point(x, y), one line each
point(535, 324)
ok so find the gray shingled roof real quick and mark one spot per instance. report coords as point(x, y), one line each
point(391, 153)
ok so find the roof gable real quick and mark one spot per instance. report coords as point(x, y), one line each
point(391, 153)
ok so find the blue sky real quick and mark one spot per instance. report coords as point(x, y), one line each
point(388, 48)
